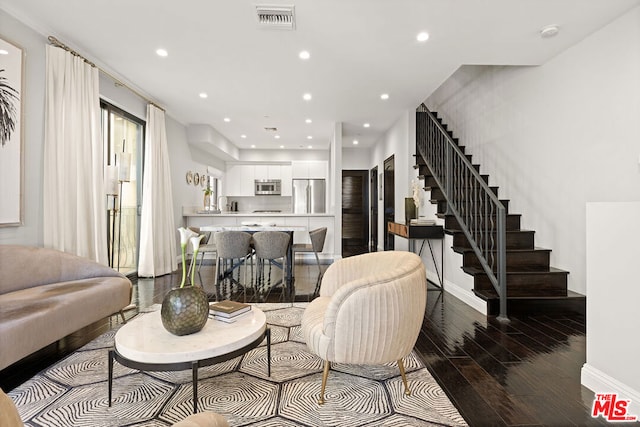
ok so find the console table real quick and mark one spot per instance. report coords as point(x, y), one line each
point(426, 233)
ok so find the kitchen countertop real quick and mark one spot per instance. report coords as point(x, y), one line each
point(192, 212)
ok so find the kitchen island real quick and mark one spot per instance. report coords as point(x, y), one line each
point(193, 218)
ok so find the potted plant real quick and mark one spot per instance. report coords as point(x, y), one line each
point(207, 198)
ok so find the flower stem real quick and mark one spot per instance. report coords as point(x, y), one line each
point(184, 266)
point(193, 270)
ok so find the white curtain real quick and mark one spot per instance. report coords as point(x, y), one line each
point(157, 227)
point(74, 198)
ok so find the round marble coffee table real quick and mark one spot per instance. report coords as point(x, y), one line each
point(145, 344)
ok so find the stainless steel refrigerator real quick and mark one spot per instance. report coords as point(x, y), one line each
point(308, 196)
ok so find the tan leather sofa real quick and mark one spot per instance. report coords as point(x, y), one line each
point(369, 312)
point(9, 416)
point(47, 294)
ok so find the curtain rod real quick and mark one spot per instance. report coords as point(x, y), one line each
point(54, 41)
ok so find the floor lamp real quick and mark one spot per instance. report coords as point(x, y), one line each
point(112, 211)
point(123, 162)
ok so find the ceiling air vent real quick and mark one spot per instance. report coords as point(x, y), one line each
point(279, 17)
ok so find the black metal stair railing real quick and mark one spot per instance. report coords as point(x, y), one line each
point(480, 214)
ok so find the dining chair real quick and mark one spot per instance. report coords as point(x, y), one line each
point(318, 237)
point(270, 246)
point(233, 250)
point(207, 246)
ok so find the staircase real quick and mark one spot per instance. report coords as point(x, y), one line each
point(472, 213)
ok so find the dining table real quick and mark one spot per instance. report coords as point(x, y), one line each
point(251, 228)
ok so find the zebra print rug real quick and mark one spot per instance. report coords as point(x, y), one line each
point(73, 392)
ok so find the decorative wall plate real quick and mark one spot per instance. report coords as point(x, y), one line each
point(203, 180)
point(189, 177)
point(196, 179)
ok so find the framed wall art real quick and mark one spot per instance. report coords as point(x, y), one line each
point(11, 145)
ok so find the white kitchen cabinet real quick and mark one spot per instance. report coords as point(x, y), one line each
point(274, 172)
point(261, 172)
point(309, 169)
point(231, 180)
point(247, 183)
point(317, 169)
point(285, 176)
point(239, 180)
point(299, 169)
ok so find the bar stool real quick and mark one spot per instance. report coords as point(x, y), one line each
point(270, 246)
point(317, 237)
point(233, 248)
point(207, 246)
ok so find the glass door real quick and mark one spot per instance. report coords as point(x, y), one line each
point(123, 136)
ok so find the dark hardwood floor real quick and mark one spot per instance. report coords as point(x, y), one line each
point(525, 373)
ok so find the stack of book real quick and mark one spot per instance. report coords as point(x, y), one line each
point(227, 311)
point(422, 221)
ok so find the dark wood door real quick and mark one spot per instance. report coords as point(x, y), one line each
point(373, 187)
point(355, 212)
point(389, 202)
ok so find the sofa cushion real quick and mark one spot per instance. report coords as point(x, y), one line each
point(25, 267)
point(38, 316)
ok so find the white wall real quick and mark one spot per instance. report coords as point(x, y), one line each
point(181, 162)
point(398, 141)
point(557, 136)
point(282, 155)
point(335, 179)
point(33, 46)
point(356, 158)
point(613, 292)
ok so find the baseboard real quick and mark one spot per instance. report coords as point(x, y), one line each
point(599, 382)
point(466, 296)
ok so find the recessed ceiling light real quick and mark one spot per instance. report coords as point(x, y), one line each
point(549, 31)
point(307, 121)
point(355, 142)
point(282, 146)
point(366, 125)
point(253, 146)
point(277, 137)
point(384, 96)
point(243, 136)
point(304, 55)
point(309, 146)
point(422, 37)
point(309, 137)
point(203, 95)
point(306, 97)
point(4, 52)
point(162, 52)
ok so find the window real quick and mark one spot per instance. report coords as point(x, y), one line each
point(123, 136)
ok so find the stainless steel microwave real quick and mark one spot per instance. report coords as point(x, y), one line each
point(271, 187)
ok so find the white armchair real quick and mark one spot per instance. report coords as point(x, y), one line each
point(369, 312)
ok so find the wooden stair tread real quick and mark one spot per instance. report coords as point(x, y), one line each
point(534, 249)
point(491, 294)
point(474, 271)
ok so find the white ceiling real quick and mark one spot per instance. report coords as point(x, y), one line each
point(359, 50)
